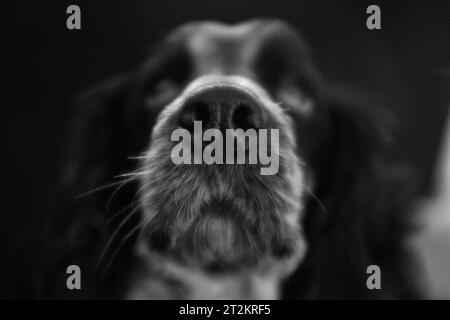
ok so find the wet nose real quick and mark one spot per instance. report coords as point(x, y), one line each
point(222, 107)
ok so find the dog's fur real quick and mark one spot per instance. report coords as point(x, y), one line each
point(335, 207)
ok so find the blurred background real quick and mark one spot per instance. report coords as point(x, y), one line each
point(405, 66)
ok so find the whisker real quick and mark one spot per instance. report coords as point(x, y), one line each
point(141, 232)
point(133, 202)
point(136, 157)
point(117, 190)
point(322, 207)
point(127, 218)
point(132, 174)
point(110, 185)
point(121, 211)
point(116, 251)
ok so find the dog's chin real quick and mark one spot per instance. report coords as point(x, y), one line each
point(219, 239)
point(222, 239)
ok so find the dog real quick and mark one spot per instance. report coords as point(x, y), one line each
point(335, 206)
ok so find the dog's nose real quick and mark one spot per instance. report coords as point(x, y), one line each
point(222, 107)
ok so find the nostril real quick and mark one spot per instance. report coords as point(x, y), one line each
point(221, 107)
point(244, 117)
point(194, 111)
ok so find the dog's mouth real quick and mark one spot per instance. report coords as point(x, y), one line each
point(228, 219)
point(222, 237)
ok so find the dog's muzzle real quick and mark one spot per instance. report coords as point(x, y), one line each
point(225, 213)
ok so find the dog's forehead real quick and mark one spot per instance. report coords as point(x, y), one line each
point(223, 48)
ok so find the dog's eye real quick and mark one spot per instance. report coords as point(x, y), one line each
point(162, 92)
point(173, 69)
point(295, 100)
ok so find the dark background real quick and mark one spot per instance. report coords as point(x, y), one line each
point(405, 66)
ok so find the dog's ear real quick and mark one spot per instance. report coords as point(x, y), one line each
point(97, 143)
point(358, 136)
point(360, 218)
point(95, 131)
point(354, 139)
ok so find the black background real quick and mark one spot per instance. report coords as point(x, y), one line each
point(405, 66)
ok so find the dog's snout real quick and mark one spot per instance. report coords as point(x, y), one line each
point(222, 107)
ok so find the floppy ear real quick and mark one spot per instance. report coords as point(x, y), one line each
point(99, 140)
point(96, 132)
point(92, 222)
point(361, 218)
point(371, 195)
point(358, 137)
